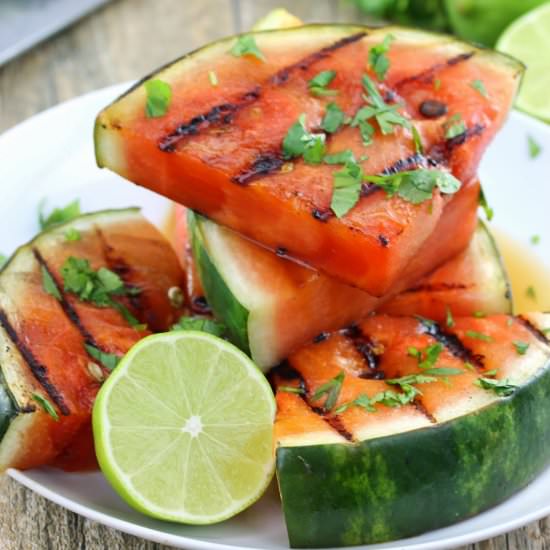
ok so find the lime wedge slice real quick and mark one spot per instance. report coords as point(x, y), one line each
point(183, 428)
point(528, 39)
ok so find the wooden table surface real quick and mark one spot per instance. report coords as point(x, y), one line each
point(121, 42)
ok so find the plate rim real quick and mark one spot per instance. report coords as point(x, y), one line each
point(191, 543)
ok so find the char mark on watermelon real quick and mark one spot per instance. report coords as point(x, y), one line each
point(536, 332)
point(286, 372)
point(452, 343)
point(67, 308)
point(39, 371)
point(265, 164)
point(223, 114)
point(427, 75)
point(369, 352)
point(435, 287)
point(420, 407)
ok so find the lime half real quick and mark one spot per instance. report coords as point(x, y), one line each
point(528, 39)
point(183, 428)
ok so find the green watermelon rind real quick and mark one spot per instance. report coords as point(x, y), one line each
point(406, 484)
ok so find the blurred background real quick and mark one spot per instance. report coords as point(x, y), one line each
point(52, 50)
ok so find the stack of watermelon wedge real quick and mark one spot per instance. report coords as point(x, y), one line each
point(328, 192)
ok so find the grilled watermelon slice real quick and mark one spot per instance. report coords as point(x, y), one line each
point(50, 340)
point(272, 306)
point(357, 464)
point(218, 148)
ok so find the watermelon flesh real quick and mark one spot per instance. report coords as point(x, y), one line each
point(218, 148)
point(282, 305)
point(43, 338)
point(362, 474)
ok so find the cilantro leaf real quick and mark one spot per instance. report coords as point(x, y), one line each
point(291, 389)
point(46, 406)
point(213, 78)
point(342, 157)
point(333, 119)
point(478, 336)
point(443, 371)
point(48, 284)
point(318, 84)
point(502, 388)
point(108, 360)
point(159, 96)
point(300, 142)
point(246, 45)
point(454, 127)
point(430, 356)
point(315, 149)
point(416, 186)
point(378, 60)
point(201, 324)
point(449, 318)
point(534, 148)
point(480, 87)
point(332, 390)
point(72, 234)
point(346, 189)
point(417, 140)
point(521, 347)
point(58, 215)
point(489, 212)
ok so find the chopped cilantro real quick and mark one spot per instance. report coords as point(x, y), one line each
point(98, 287)
point(200, 324)
point(108, 360)
point(454, 126)
point(213, 78)
point(333, 119)
point(318, 84)
point(291, 389)
point(72, 234)
point(58, 215)
point(417, 139)
point(502, 388)
point(480, 87)
point(443, 371)
point(437, 84)
point(530, 292)
point(414, 353)
point(534, 148)
point(300, 142)
point(342, 157)
point(450, 320)
point(489, 212)
point(535, 239)
point(416, 186)
point(346, 188)
point(479, 336)
point(159, 96)
point(378, 60)
point(521, 347)
point(469, 366)
point(479, 314)
point(46, 406)
point(430, 356)
point(48, 284)
point(332, 390)
point(246, 45)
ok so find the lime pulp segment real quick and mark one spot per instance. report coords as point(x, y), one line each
point(183, 428)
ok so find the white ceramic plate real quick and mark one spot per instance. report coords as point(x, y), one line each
point(51, 156)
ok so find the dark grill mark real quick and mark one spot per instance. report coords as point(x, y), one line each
point(432, 108)
point(40, 371)
point(287, 372)
point(411, 162)
point(281, 251)
point(419, 406)
point(369, 352)
point(67, 308)
point(384, 241)
point(538, 334)
point(264, 165)
point(436, 287)
point(283, 75)
point(452, 343)
point(441, 152)
point(321, 337)
point(223, 114)
point(427, 75)
point(322, 215)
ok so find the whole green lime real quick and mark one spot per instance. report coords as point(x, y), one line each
point(483, 21)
